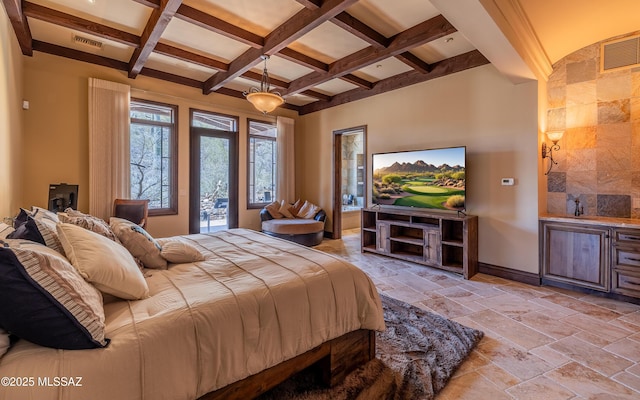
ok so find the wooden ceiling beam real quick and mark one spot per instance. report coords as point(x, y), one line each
point(188, 56)
point(417, 35)
point(287, 33)
point(439, 69)
point(20, 25)
point(166, 76)
point(79, 55)
point(79, 24)
point(304, 60)
point(311, 4)
point(359, 29)
point(158, 21)
point(214, 24)
point(363, 83)
point(414, 62)
point(316, 95)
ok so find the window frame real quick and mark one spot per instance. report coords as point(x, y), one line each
point(258, 205)
point(173, 154)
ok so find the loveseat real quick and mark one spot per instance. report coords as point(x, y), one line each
point(301, 222)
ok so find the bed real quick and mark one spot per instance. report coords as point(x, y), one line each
point(254, 311)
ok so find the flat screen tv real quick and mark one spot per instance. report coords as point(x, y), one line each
point(62, 196)
point(430, 178)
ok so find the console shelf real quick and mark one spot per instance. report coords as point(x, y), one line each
point(443, 241)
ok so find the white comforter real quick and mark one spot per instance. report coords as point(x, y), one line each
point(254, 302)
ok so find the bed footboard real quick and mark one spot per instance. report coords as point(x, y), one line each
point(336, 358)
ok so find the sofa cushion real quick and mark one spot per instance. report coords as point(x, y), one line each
point(296, 226)
point(285, 209)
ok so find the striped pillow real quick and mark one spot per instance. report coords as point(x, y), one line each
point(5, 230)
point(44, 300)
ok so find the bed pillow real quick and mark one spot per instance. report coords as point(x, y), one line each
point(178, 252)
point(89, 222)
point(5, 342)
point(42, 213)
point(39, 231)
point(63, 311)
point(103, 262)
point(308, 210)
point(139, 243)
point(5, 230)
point(273, 209)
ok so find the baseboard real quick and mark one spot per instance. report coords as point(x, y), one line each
point(511, 274)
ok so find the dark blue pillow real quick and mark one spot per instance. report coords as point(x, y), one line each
point(28, 230)
point(44, 300)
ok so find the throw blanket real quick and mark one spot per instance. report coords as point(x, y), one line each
point(254, 302)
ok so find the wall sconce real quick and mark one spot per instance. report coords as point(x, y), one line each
point(547, 151)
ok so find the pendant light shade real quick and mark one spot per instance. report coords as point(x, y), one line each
point(263, 99)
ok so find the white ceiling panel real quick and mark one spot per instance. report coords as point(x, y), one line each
point(445, 47)
point(125, 15)
point(383, 69)
point(178, 67)
point(328, 43)
point(300, 100)
point(392, 17)
point(334, 87)
point(193, 37)
point(283, 69)
point(259, 17)
point(61, 36)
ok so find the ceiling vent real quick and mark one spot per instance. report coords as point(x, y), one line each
point(87, 42)
point(621, 53)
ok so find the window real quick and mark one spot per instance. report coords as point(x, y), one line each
point(262, 163)
point(153, 144)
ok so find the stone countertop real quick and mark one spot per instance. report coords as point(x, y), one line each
point(592, 220)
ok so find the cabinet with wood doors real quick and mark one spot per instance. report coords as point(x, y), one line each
point(601, 254)
point(444, 241)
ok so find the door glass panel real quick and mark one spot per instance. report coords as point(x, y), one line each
point(214, 183)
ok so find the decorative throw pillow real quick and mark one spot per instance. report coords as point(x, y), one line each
point(308, 210)
point(89, 222)
point(177, 252)
point(139, 243)
point(273, 209)
point(5, 230)
point(285, 209)
point(63, 311)
point(103, 262)
point(40, 213)
point(39, 231)
point(295, 208)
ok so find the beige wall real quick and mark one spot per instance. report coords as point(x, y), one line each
point(478, 108)
point(55, 132)
point(10, 120)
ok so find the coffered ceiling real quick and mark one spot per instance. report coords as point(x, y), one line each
point(322, 52)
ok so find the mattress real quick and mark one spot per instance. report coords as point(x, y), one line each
point(254, 302)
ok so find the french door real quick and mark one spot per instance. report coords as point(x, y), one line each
point(213, 174)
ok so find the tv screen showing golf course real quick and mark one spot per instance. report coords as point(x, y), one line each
point(433, 178)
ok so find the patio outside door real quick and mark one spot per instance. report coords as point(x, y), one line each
point(213, 180)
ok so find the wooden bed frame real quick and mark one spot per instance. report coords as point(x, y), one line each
point(336, 358)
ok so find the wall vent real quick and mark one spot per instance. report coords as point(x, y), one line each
point(87, 42)
point(621, 53)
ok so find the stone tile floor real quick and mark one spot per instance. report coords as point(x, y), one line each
point(540, 342)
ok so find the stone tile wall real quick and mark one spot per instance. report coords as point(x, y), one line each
point(599, 156)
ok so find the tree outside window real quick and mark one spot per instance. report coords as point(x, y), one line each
point(262, 163)
point(153, 160)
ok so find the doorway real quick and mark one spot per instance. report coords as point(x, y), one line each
point(349, 181)
point(213, 186)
